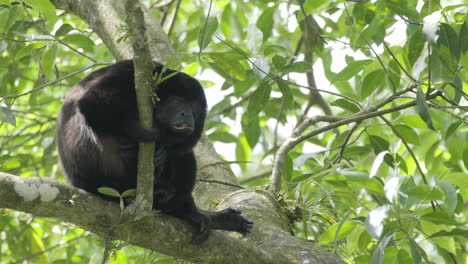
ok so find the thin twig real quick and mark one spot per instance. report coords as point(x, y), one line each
point(297, 137)
point(53, 82)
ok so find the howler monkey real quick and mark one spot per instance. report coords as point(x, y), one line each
point(98, 134)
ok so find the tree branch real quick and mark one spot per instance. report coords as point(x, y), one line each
point(143, 82)
point(297, 137)
point(35, 195)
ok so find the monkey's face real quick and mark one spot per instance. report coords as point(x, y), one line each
point(175, 114)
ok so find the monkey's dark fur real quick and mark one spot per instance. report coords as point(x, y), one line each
point(98, 134)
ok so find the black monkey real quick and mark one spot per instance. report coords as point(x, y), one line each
point(98, 134)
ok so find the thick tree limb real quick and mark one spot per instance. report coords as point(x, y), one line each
point(161, 233)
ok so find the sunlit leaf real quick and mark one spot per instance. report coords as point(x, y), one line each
point(379, 252)
point(330, 235)
point(37, 246)
point(207, 31)
point(43, 6)
point(424, 192)
point(375, 220)
point(351, 70)
point(376, 164)
point(118, 257)
point(408, 134)
point(242, 151)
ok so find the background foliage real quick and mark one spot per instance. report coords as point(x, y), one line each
point(387, 189)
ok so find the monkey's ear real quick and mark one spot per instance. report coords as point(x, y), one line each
point(134, 131)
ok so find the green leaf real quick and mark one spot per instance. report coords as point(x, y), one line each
point(455, 232)
point(259, 99)
point(464, 38)
point(3, 46)
point(450, 193)
point(415, 46)
point(408, 134)
point(394, 71)
point(26, 50)
point(423, 108)
point(424, 192)
point(459, 178)
point(207, 31)
point(379, 252)
point(242, 152)
point(13, 15)
point(222, 136)
point(371, 82)
point(343, 230)
point(440, 218)
point(279, 61)
point(299, 66)
point(405, 8)
point(287, 94)
point(48, 62)
point(378, 144)
point(448, 49)
point(452, 128)
point(346, 105)
point(413, 121)
point(265, 22)
point(118, 257)
point(79, 40)
point(6, 115)
point(63, 30)
point(129, 193)
point(350, 71)
point(251, 129)
point(109, 191)
point(242, 86)
point(340, 139)
point(38, 249)
point(229, 63)
point(43, 6)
